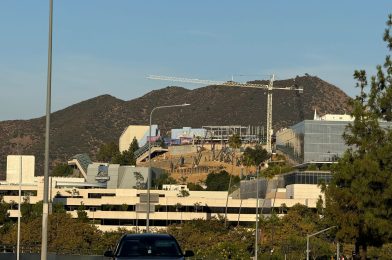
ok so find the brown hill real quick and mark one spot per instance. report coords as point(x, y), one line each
point(83, 127)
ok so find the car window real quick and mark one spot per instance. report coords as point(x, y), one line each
point(149, 246)
point(132, 248)
point(166, 248)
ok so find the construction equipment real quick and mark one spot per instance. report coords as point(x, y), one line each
point(232, 83)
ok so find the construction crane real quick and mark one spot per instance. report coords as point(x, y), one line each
point(269, 87)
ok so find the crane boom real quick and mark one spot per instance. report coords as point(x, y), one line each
point(214, 82)
point(186, 80)
point(269, 87)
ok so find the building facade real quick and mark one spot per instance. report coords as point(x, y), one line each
point(20, 168)
point(317, 140)
point(140, 132)
point(186, 135)
point(113, 208)
point(313, 140)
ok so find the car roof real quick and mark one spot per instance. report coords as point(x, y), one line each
point(152, 235)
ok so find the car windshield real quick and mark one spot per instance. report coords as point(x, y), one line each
point(149, 246)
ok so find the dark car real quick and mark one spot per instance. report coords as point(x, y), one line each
point(148, 246)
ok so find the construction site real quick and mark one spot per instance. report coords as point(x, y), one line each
point(210, 153)
point(192, 157)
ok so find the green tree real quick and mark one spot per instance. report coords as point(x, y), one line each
point(220, 181)
point(134, 145)
point(163, 178)
point(4, 215)
point(82, 214)
point(235, 141)
point(140, 184)
point(358, 199)
point(194, 186)
point(255, 156)
point(276, 169)
point(210, 239)
point(58, 208)
point(287, 234)
point(107, 152)
point(62, 169)
point(183, 193)
point(127, 157)
point(30, 211)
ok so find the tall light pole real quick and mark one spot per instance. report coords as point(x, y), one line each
point(257, 214)
point(149, 163)
point(309, 236)
point(20, 204)
point(45, 204)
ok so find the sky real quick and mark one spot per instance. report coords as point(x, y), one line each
point(110, 46)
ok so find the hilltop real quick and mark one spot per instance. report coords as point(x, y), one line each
point(83, 127)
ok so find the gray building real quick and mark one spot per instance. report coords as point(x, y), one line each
point(114, 176)
point(248, 188)
point(313, 140)
point(318, 140)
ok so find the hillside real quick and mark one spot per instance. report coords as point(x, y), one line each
point(83, 127)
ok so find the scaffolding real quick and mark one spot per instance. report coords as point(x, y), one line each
point(215, 135)
point(247, 134)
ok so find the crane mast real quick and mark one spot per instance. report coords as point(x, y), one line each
point(270, 87)
point(269, 114)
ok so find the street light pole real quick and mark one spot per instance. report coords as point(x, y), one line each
point(20, 204)
point(311, 235)
point(149, 163)
point(257, 215)
point(45, 206)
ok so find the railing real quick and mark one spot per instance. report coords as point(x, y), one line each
point(198, 169)
point(144, 149)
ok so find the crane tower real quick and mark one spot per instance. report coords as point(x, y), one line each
point(269, 87)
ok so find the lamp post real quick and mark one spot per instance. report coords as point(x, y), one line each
point(20, 204)
point(257, 214)
point(149, 163)
point(311, 235)
point(45, 204)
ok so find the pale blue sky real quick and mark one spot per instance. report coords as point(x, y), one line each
point(110, 46)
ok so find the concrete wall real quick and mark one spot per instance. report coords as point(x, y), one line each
point(113, 176)
point(13, 168)
point(302, 191)
point(120, 176)
point(92, 172)
point(183, 149)
point(126, 178)
point(248, 188)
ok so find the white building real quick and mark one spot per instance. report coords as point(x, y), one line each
point(111, 201)
point(140, 132)
point(110, 209)
point(20, 163)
